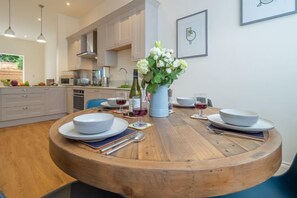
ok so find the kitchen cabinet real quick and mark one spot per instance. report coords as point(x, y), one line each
point(119, 32)
point(95, 93)
point(55, 100)
point(20, 105)
point(75, 62)
point(98, 93)
point(138, 41)
point(69, 100)
point(73, 49)
point(104, 57)
point(145, 29)
point(17, 103)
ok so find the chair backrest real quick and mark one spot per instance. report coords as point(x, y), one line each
point(209, 102)
point(95, 102)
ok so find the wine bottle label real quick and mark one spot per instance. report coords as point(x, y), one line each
point(136, 103)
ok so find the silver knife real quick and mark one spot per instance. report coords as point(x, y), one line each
point(118, 143)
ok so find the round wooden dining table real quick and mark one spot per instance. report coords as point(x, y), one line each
point(179, 157)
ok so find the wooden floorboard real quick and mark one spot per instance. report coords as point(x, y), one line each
point(26, 168)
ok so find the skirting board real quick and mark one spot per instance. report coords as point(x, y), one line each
point(283, 168)
point(30, 120)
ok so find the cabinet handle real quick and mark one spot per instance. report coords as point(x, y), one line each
point(25, 96)
point(25, 108)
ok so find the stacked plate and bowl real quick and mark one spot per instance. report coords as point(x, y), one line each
point(184, 102)
point(93, 127)
point(240, 120)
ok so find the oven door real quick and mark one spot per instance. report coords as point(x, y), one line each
point(78, 102)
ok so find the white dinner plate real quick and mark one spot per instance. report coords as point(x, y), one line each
point(261, 124)
point(176, 104)
point(68, 131)
point(105, 104)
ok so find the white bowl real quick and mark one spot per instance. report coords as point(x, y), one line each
point(239, 117)
point(185, 101)
point(112, 102)
point(93, 123)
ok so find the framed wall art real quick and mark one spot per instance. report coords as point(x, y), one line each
point(253, 11)
point(191, 35)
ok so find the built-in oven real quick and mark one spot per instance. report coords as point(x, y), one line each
point(78, 100)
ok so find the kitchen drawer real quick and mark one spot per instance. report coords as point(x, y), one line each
point(13, 113)
point(21, 90)
point(13, 100)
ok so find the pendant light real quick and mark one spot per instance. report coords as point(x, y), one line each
point(9, 32)
point(41, 38)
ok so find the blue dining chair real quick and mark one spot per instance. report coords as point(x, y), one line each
point(95, 102)
point(79, 189)
point(282, 186)
point(2, 195)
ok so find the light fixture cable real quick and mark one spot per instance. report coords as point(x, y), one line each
point(41, 38)
point(9, 32)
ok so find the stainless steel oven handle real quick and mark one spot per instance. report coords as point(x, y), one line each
point(78, 96)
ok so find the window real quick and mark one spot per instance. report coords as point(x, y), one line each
point(11, 67)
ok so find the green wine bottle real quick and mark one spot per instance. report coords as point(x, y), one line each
point(135, 91)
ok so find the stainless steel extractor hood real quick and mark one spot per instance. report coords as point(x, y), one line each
point(88, 46)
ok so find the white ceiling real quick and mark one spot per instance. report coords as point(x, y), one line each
point(77, 8)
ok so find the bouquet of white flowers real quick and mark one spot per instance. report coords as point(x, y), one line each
point(160, 68)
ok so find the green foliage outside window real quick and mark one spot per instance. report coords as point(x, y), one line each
point(12, 59)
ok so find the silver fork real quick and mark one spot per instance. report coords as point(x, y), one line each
point(222, 132)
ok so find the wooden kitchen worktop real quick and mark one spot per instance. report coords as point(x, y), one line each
point(96, 87)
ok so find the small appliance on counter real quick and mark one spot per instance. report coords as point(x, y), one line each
point(105, 76)
point(66, 80)
point(50, 82)
point(96, 77)
point(100, 77)
point(84, 81)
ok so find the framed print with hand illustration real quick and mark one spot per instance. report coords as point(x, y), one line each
point(191, 34)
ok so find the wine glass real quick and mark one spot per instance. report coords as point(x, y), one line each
point(201, 100)
point(139, 110)
point(121, 99)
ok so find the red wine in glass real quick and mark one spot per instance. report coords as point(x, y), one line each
point(200, 105)
point(121, 101)
point(140, 111)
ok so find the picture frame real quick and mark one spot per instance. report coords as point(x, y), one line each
point(253, 11)
point(191, 35)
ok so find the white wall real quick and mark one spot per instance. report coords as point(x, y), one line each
point(248, 67)
point(66, 26)
point(33, 53)
point(24, 15)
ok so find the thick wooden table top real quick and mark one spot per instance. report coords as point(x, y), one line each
point(178, 158)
